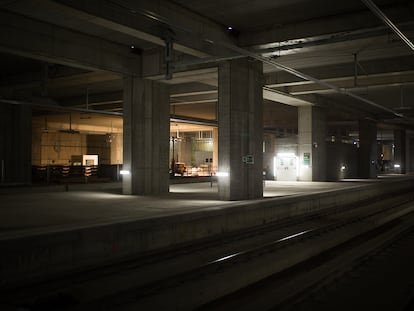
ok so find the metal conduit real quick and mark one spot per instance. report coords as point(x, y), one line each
point(307, 77)
point(247, 53)
point(187, 120)
point(59, 108)
point(173, 118)
point(388, 22)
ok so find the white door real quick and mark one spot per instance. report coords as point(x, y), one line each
point(286, 167)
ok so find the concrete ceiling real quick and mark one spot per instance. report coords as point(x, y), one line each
point(347, 51)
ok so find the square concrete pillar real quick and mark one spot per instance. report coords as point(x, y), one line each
point(400, 151)
point(269, 152)
point(410, 152)
point(214, 166)
point(312, 143)
point(15, 144)
point(240, 119)
point(146, 137)
point(368, 156)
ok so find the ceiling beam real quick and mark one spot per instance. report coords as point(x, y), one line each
point(363, 81)
point(191, 102)
point(192, 87)
point(190, 120)
point(335, 24)
point(384, 66)
point(82, 79)
point(51, 107)
point(188, 28)
point(283, 98)
point(34, 39)
point(194, 93)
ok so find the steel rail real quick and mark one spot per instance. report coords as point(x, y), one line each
point(251, 253)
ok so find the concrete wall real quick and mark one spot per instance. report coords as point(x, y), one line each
point(52, 145)
point(116, 148)
point(100, 145)
point(45, 254)
point(56, 148)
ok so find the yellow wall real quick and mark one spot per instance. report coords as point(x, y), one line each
point(51, 145)
point(58, 148)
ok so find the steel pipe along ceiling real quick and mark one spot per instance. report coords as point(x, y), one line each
point(253, 55)
point(388, 22)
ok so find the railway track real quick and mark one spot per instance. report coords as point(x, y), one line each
point(382, 280)
point(373, 271)
point(195, 275)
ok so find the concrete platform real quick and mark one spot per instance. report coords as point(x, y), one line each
point(47, 208)
point(48, 231)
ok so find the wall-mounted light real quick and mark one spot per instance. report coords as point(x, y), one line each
point(222, 174)
point(397, 166)
point(124, 172)
point(286, 155)
point(343, 168)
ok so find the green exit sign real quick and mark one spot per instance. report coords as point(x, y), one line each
point(306, 158)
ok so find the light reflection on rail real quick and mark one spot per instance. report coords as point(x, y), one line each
point(274, 242)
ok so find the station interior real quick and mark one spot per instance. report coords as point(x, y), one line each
point(356, 74)
point(113, 113)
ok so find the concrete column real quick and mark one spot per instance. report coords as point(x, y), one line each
point(400, 150)
point(410, 153)
point(269, 154)
point(146, 136)
point(312, 143)
point(367, 167)
point(240, 118)
point(15, 144)
point(116, 148)
point(215, 150)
